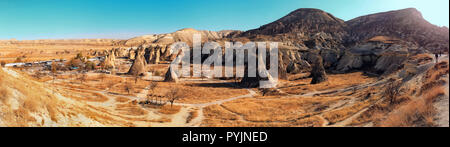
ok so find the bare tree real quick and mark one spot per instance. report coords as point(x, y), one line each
point(152, 86)
point(174, 94)
point(392, 91)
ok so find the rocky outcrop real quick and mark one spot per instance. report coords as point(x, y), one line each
point(349, 62)
point(358, 44)
point(132, 54)
point(318, 71)
point(292, 62)
point(380, 57)
point(121, 52)
point(110, 59)
point(153, 54)
point(330, 57)
point(262, 79)
point(139, 64)
point(390, 62)
point(183, 35)
point(171, 76)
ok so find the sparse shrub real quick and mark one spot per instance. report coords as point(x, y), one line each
point(431, 95)
point(75, 63)
point(417, 113)
point(392, 91)
point(19, 59)
point(79, 56)
point(157, 73)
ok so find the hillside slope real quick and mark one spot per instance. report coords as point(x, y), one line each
point(406, 24)
point(25, 102)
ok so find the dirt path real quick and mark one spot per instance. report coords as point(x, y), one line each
point(443, 108)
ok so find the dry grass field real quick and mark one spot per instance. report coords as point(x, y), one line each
point(337, 81)
point(42, 52)
point(72, 98)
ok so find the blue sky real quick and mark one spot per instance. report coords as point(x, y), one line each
point(121, 19)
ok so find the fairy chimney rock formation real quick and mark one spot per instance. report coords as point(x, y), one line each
point(318, 71)
point(139, 63)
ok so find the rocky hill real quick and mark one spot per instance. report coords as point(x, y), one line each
point(407, 24)
point(184, 35)
point(303, 28)
point(303, 21)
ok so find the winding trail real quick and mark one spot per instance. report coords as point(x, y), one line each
point(180, 118)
